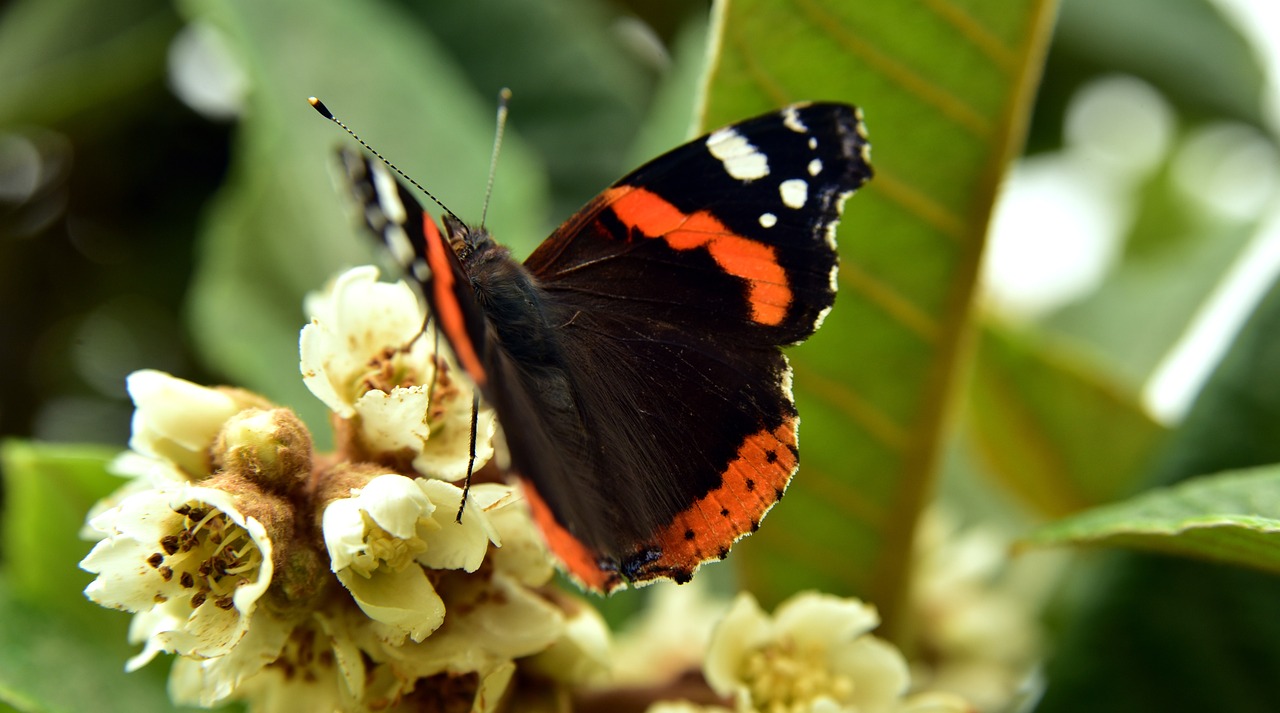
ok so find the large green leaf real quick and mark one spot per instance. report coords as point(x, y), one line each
point(946, 89)
point(1170, 634)
point(1052, 428)
point(1232, 518)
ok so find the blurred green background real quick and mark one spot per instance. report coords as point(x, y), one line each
point(166, 202)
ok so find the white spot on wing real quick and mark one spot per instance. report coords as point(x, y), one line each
point(791, 120)
point(815, 167)
point(388, 194)
point(421, 271)
point(768, 220)
point(398, 241)
point(813, 143)
point(795, 191)
point(741, 160)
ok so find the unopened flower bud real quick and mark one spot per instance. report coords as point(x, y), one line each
point(271, 448)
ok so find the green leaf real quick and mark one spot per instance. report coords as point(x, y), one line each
point(281, 226)
point(1232, 518)
point(946, 92)
point(576, 98)
point(1053, 429)
point(1171, 634)
point(48, 490)
point(49, 662)
point(58, 649)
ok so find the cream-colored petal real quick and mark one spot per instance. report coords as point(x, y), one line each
point(446, 453)
point(396, 504)
point(175, 419)
point(452, 544)
point(392, 422)
point(523, 554)
point(878, 670)
point(354, 320)
point(582, 654)
point(744, 628)
point(219, 676)
point(824, 620)
point(404, 601)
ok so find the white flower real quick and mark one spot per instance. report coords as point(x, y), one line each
point(669, 637)
point(206, 682)
point(381, 537)
point(302, 675)
point(188, 562)
point(814, 655)
point(500, 613)
point(354, 322)
point(581, 654)
point(366, 356)
point(976, 610)
point(175, 423)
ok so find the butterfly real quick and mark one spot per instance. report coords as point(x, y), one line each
point(634, 359)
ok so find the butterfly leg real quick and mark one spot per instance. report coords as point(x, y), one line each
point(471, 459)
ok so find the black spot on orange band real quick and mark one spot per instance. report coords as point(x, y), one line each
point(707, 528)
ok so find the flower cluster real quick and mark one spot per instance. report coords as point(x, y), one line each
point(298, 580)
point(291, 579)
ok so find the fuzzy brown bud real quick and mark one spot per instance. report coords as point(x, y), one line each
point(269, 447)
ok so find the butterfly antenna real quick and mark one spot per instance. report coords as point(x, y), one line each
point(324, 111)
point(504, 98)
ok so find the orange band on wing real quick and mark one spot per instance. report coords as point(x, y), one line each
point(753, 482)
point(578, 560)
point(756, 262)
point(448, 310)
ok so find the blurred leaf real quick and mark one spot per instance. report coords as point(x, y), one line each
point(1052, 429)
point(1231, 518)
point(946, 93)
point(56, 65)
point(280, 227)
point(1185, 48)
point(670, 120)
point(47, 663)
point(1167, 634)
point(58, 650)
point(48, 490)
point(578, 94)
point(1176, 253)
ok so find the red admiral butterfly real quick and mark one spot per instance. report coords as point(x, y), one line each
point(633, 359)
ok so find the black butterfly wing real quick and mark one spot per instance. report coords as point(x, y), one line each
point(674, 290)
